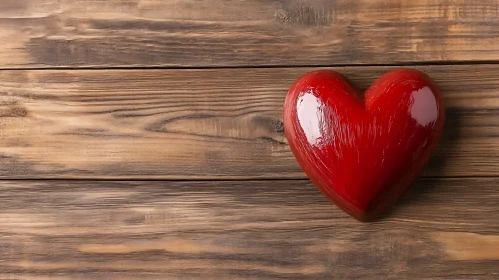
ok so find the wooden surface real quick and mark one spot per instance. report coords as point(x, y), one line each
point(444, 228)
point(144, 139)
point(208, 33)
point(204, 124)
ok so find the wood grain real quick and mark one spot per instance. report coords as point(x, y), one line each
point(243, 230)
point(221, 124)
point(204, 124)
point(207, 33)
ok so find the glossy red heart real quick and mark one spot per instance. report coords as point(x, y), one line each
point(363, 151)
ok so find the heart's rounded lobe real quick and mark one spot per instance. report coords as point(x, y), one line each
point(363, 151)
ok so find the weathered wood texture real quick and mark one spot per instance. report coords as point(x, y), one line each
point(202, 124)
point(89, 33)
point(226, 124)
point(442, 229)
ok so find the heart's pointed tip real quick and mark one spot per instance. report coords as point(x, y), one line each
point(364, 217)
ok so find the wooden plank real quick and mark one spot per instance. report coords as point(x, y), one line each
point(443, 229)
point(194, 33)
point(204, 124)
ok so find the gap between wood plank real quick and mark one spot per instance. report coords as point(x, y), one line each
point(405, 64)
point(137, 179)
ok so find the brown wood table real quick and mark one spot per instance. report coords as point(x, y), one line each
point(144, 139)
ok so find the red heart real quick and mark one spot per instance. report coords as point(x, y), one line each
point(363, 152)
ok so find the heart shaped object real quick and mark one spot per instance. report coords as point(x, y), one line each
point(363, 151)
